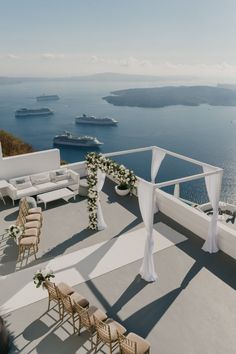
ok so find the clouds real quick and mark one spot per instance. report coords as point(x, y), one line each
point(69, 64)
point(52, 56)
point(123, 62)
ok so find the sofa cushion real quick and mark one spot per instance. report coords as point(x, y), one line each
point(21, 182)
point(44, 187)
point(27, 191)
point(59, 175)
point(62, 183)
point(40, 178)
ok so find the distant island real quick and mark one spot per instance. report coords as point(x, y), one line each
point(158, 97)
point(100, 77)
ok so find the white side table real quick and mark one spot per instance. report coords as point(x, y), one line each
point(3, 184)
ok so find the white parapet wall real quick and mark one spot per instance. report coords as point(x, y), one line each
point(79, 167)
point(195, 221)
point(28, 164)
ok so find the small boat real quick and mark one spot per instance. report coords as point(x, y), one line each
point(83, 141)
point(25, 112)
point(48, 98)
point(84, 119)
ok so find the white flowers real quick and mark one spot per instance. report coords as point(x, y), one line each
point(120, 173)
point(42, 275)
point(15, 232)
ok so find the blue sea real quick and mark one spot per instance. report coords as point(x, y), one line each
point(204, 133)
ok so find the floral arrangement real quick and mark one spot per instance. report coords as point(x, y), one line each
point(125, 177)
point(42, 275)
point(15, 232)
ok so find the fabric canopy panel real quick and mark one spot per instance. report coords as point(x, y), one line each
point(146, 201)
point(157, 158)
point(101, 225)
point(213, 186)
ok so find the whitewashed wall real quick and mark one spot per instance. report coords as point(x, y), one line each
point(79, 167)
point(26, 164)
point(195, 221)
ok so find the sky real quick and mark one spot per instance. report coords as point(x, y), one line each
point(80, 37)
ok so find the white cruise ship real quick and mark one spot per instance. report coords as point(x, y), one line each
point(48, 98)
point(25, 112)
point(95, 121)
point(83, 141)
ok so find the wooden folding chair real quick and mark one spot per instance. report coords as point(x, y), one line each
point(133, 344)
point(86, 319)
point(68, 308)
point(107, 333)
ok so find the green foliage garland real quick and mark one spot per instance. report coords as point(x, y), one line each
point(119, 172)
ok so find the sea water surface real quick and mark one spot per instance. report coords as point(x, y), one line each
point(204, 133)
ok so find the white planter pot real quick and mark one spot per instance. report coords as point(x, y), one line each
point(122, 192)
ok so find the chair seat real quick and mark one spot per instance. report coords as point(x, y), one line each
point(65, 289)
point(32, 224)
point(142, 344)
point(114, 328)
point(79, 299)
point(99, 314)
point(33, 217)
point(37, 210)
point(30, 232)
point(26, 241)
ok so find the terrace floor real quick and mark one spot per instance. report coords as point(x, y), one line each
point(190, 309)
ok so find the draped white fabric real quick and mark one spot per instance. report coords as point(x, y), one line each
point(157, 158)
point(177, 190)
point(101, 225)
point(213, 186)
point(146, 199)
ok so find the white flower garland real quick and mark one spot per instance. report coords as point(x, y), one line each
point(119, 172)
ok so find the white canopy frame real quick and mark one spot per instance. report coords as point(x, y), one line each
point(213, 177)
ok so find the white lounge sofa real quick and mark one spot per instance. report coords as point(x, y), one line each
point(41, 183)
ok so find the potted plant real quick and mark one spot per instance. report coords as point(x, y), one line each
point(122, 189)
point(41, 276)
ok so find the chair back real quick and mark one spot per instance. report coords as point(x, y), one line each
point(66, 301)
point(83, 315)
point(52, 290)
point(24, 205)
point(103, 330)
point(126, 345)
point(20, 221)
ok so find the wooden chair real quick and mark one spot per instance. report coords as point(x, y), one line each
point(25, 205)
point(86, 319)
point(107, 333)
point(21, 220)
point(68, 306)
point(27, 244)
point(53, 295)
point(133, 344)
point(24, 212)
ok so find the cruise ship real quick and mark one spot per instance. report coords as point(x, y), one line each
point(95, 121)
point(48, 98)
point(25, 112)
point(83, 141)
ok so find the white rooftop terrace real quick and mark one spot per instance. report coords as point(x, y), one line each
point(189, 308)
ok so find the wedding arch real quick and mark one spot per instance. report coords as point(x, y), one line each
point(98, 165)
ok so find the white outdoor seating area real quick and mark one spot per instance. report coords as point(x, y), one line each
point(121, 287)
